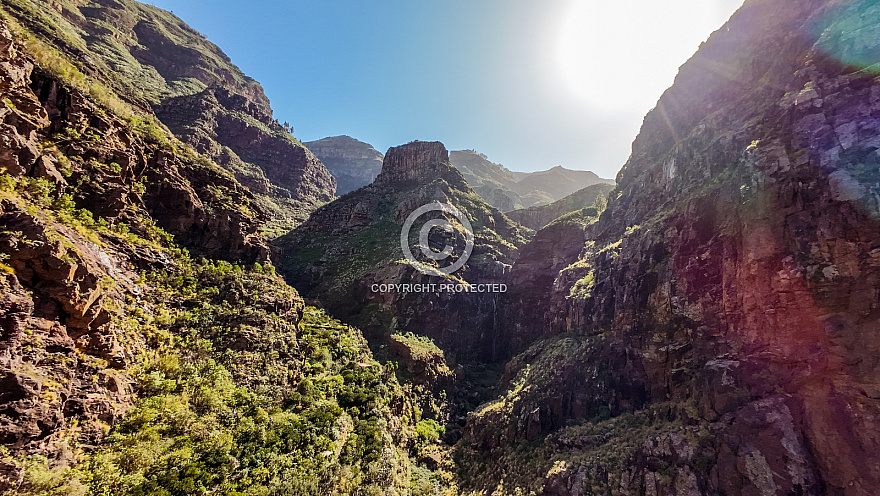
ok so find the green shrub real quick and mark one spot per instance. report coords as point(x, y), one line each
point(422, 482)
point(7, 182)
point(429, 431)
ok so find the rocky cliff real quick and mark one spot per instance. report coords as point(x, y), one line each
point(353, 163)
point(719, 335)
point(153, 60)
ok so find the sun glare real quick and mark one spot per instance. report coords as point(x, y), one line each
point(620, 56)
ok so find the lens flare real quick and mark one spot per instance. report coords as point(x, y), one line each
point(851, 35)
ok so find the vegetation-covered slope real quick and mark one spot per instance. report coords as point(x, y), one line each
point(536, 217)
point(127, 366)
point(490, 180)
point(152, 59)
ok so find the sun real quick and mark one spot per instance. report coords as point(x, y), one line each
point(620, 56)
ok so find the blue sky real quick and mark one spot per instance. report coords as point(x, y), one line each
point(532, 84)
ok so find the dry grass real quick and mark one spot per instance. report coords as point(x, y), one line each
point(54, 62)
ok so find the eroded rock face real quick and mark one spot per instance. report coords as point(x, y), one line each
point(526, 314)
point(499, 198)
point(54, 324)
point(243, 137)
point(65, 278)
point(738, 267)
point(181, 194)
point(416, 162)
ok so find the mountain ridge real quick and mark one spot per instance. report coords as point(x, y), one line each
point(357, 163)
point(508, 190)
point(153, 60)
point(320, 259)
point(537, 217)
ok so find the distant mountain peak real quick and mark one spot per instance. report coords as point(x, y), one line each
point(342, 138)
point(507, 190)
point(352, 162)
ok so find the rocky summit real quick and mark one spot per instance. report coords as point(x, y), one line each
point(709, 325)
point(353, 163)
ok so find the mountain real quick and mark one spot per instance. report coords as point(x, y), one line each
point(714, 331)
point(353, 163)
point(151, 59)
point(555, 184)
point(491, 181)
point(507, 190)
point(147, 345)
point(537, 217)
point(354, 242)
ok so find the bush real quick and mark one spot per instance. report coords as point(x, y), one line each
point(429, 431)
point(7, 182)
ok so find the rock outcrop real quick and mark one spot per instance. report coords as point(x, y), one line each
point(289, 181)
point(64, 277)
point(110, 330)
point(353, 163)
point(541, 277)
point(418, 162)
point(56, 330)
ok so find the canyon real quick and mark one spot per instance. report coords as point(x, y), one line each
point(709, 324)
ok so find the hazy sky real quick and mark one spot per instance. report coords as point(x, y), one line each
point(532, 84)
